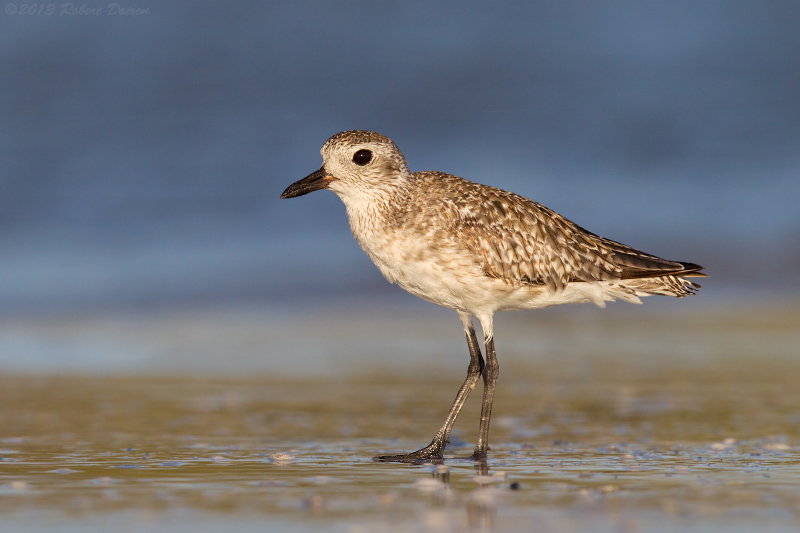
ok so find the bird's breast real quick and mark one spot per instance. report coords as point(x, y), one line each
point(420, 261)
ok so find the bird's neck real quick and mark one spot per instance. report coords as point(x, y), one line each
point(371, 212)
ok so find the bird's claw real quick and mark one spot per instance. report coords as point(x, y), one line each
point(429, 454)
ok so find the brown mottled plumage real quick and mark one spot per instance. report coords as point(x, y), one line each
point(478, 250)
point(522, 242)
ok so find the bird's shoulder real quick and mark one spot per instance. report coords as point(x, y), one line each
point(509, 236)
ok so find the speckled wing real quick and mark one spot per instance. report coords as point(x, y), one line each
point(524, 243)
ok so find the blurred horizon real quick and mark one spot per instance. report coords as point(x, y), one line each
point(143, 156)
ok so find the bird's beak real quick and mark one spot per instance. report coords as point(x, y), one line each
point(313, 182)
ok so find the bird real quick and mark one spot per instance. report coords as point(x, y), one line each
point(478, 250)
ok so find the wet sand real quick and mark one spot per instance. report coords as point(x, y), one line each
point(632, 422)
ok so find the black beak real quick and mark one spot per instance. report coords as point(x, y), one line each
point(313, 182)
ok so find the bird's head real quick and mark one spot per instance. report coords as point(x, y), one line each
point(355, 164)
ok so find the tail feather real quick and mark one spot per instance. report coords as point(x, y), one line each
point(690, 270)
point(665, 285)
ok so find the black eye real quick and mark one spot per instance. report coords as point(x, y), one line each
point(362, 157)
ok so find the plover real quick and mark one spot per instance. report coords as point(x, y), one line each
point(478, 250)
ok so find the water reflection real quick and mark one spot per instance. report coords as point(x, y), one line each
point(585, 442)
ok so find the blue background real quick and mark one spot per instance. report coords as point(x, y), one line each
point(142, 156)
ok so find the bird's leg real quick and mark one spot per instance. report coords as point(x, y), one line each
point(433, 451)
point(474, 371)
point(490, 373)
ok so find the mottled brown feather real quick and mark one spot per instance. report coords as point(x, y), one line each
point(523, 242)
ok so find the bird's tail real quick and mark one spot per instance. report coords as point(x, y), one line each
point(667, 284)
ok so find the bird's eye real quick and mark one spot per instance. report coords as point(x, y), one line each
point(362, 157)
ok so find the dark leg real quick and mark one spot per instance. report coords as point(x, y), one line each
point(433, 451)
point(490, 373)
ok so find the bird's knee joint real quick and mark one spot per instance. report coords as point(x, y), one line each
point(491, 371)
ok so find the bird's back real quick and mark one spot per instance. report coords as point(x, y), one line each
point(521, 243)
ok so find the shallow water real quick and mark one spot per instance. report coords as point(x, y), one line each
point(618, 439)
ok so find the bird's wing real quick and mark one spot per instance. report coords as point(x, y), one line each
point(524, 243)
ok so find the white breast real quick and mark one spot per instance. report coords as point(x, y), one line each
point(407, 259)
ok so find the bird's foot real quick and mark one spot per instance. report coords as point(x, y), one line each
point(432, 453)
point(479, 456)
